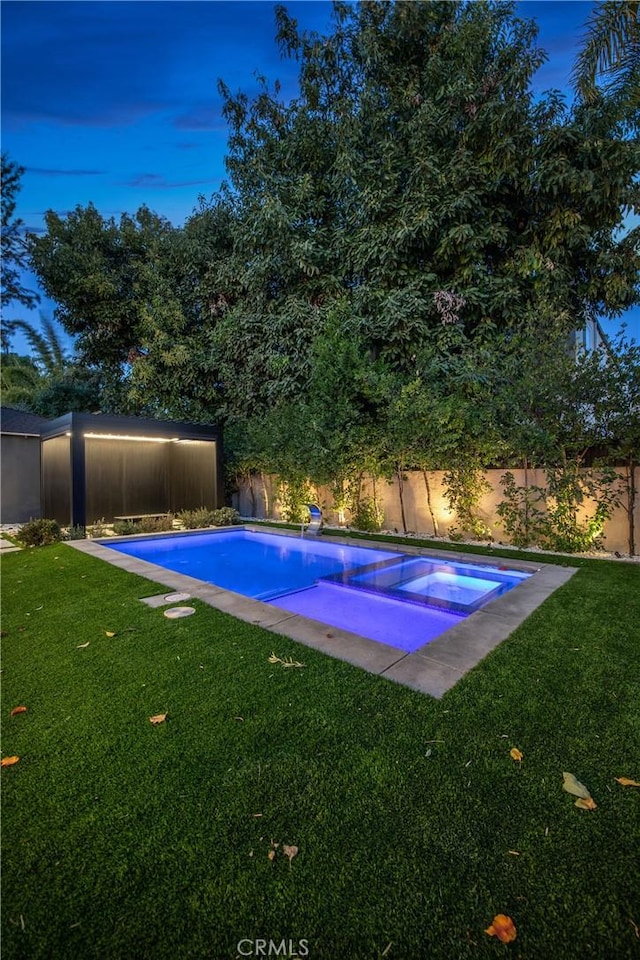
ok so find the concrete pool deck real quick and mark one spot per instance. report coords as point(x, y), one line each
point(433, 668)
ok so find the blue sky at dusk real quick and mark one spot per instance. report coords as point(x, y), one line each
point(117, 103)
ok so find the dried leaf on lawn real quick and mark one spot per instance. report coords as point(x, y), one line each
point(271, 854)
point(573, 786)
point(289, 851)
point(626, 782)
point(503, 928)
point(286, 662)
point(586, 803)
point(515, 754)
point(159, 718)
point(9, 761)
point(109, 633)
point(81, 646)
point(17, 710)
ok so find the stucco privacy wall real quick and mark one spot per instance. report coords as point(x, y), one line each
point(263, 504)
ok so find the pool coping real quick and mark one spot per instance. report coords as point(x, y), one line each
point(433, 669)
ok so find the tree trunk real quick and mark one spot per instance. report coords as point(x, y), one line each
point(631, 503)
point(375, 497)
point(401, 494)
point(266, 495)
point(526, 499)
point(252, 494)
point(429, 504)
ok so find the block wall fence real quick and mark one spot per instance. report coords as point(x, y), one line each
point(259, 499)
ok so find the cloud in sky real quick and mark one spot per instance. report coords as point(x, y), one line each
point(110, 64)
point(44, 172)
point(88, 64)
point(156, 181)
point(203, 116)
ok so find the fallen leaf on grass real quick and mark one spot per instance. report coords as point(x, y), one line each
point(573, 786)
point(159, 718)
point(109, 633)
point(17, 710)
point(286, 662)
point(83, 646)
point(9, 761)
point(271, 855)
point(503, 928)
point(626, 782)
point(289, 851)
point(585, 801)
point(515, 754)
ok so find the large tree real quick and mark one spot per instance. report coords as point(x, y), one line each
point(414, 163)
point(414, 177)
point(13, 245)
point(129, 291)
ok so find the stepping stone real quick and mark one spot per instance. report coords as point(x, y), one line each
point(162, 599)
point(175, 613)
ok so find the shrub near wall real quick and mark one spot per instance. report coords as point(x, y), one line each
point(38, 533)
point(203, 517)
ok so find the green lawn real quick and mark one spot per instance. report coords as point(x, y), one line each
point(414, 826)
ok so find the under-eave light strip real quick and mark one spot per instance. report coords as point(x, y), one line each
point(121, 436)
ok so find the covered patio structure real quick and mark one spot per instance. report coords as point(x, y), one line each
point(99, 467)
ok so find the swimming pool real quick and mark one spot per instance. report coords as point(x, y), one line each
point(402, 600)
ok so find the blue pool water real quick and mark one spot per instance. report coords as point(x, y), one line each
point(257, 565)
point(403, 601)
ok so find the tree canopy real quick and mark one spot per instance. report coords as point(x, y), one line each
point(414, 176)
point(392, 273)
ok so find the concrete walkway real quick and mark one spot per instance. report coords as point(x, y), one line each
point(7, 547)
point(432, 669)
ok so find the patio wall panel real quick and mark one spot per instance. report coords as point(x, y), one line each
point(193, 475)
point(56, 478)
point(125, 477)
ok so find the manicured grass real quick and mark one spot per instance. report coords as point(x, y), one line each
point(125, 840)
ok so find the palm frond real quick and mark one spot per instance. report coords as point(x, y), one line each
point(37, 342)
point(54, 342)
point(610, 49)
point(46, 345)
